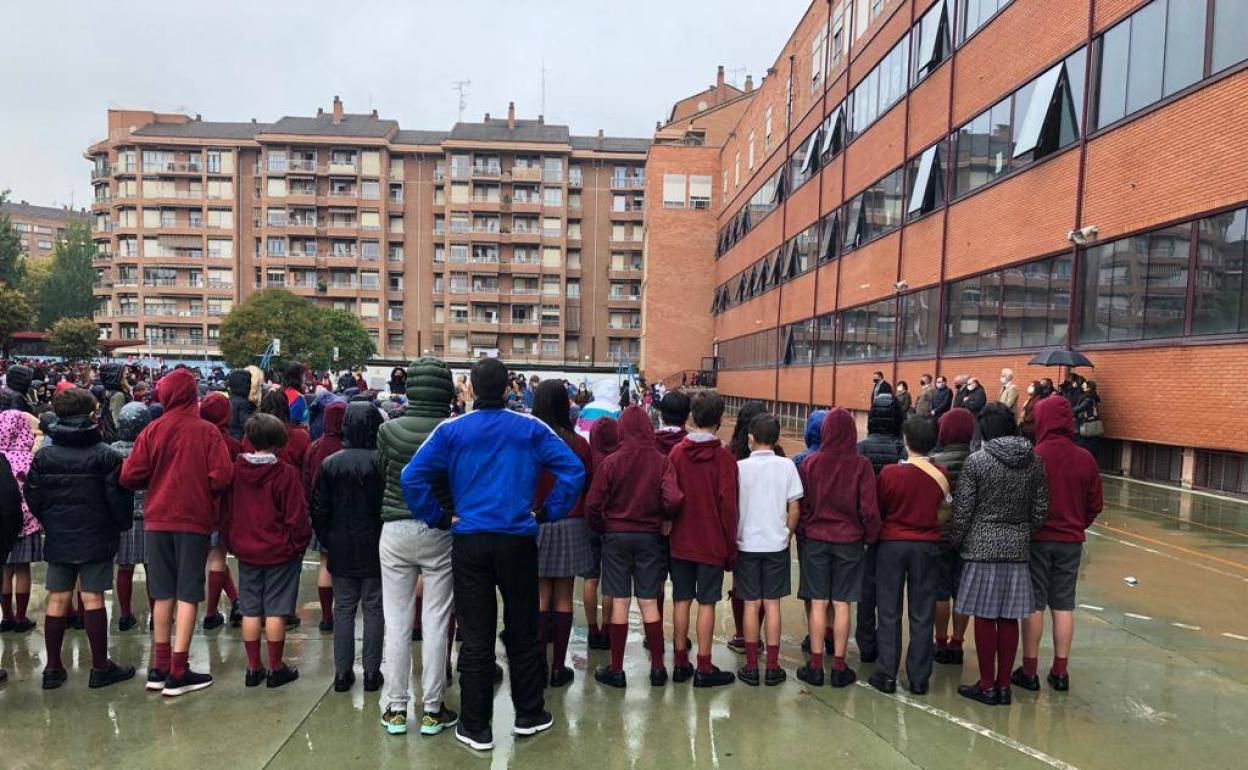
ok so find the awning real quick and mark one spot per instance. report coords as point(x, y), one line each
point(181, 241)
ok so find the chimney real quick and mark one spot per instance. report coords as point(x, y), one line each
point(541, 120)
point(511, 115)
point(600, 133)
point(749, 83)
point(487, 117)
point(198, 117)
point(320, 111)
point(374, 113)
point(719, 84)
point(337, 110)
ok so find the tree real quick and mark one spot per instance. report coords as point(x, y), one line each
point(344, 331)
point(308, 333)
point(12, 258)
point(74, 339)
point(15, 315)
point(61, 287)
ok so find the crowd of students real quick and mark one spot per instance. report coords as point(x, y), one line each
point(420, 524)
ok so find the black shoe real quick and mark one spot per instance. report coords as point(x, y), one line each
point(811, 676)
point(604, 675)
point(236, 617)
point(955, 656)
point(215, 620)
point(343, 682)
point(188, 682)
point(127, 622)
point(842, 677)
point(737, 644)
point(325, 626)
point(917, 688)
point(1004, 697)
point(481, 740)
point(23, 625)
point(293, 621)
point(534, 724)
point(774, 676)
point(882, 682)
point(156, 678)
point(284, 675)
point(53, 678)
point(561, 676)
point(498, 674)
point(111, 675)
point(941, 656)
point(417, 635)
point(658, 676)
point(1020, 679)
point(682, 673)
point(6, 626)
point(599, 641)
point(748, 675)
point(987, 697)
point(373, 680)
point(713, 678)
point(258, 677)
point(1059, 682)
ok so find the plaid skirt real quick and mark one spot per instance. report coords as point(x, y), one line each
point(563, 549)
point(995, 590)
point(132, 549)
point(27, 549)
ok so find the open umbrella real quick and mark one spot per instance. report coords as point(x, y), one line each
point(1060, 357)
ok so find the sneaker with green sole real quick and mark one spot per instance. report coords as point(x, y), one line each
point(395, 722)
point(432, 724)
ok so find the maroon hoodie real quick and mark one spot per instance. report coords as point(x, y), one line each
point(546, 479)
point(326, 445)
point(706, 529)
point(215, 408)
point(267, 521)
point(604, 439)
point(667, 439)
point(839, 505)
point(1074, 478)
point(634, 488)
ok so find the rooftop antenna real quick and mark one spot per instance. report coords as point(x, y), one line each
point(462, 87)
point(543, 85)
point(734, 74)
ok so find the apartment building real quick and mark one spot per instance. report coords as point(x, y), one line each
point(505, 236)
point(39, 227)
point(949, 186)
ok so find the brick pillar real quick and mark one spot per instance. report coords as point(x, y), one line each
point(1187, 476)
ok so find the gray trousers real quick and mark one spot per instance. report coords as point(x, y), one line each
point(348, 593)
point(408, 549)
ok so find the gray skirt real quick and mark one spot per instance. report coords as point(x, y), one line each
point(27, 549)
point(998, 589)
point(563, 549)
point(132, 548)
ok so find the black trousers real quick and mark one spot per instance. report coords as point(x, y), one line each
point(913, 567)
point(864, 626)
point(481, 563)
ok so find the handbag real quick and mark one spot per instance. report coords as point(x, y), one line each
point(944, 512)
point(1092, 428)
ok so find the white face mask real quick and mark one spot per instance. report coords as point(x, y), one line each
point(1005, 380)
point(1031, 391)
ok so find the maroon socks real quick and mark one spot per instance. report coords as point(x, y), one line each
point(942, 643)
point(53, 635)
point(562, 622)
point(231, 590)
point(161, 656)
point(179, 662)
point(654, 635)
point(816, 658)
point(986, 651)
point(21, 602)
point(838, 662)
point(773, 656)
point(1030, 665)
point(704, 664)
point(751, 655)
point(1007, 648)
point(326, 595)
point(1059, 666)
point(253, 654)
point(216, 582)
point(618, 633)
point(275, 654)
point(95, 622)
point(125, 589)
point(955, 643)
point(682, 657)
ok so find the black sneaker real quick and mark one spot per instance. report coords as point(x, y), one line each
point(111, 675)
point(1059, 682)
point(22, 625)
point(417, 634)
point(325, 626)
point(127, 622)
point(533, 724)
point(53, 678)
point(956, 656)
point(713, 678)
point(373, 680)
point(987, 697)
point(748, 675)
point(682, 673)
point(293, 621)
point(256, 678)
point(481, 740)
point(561, 676)
point(604, 675)
point(842, 677)
point(284, 675)
point(156, 678)
point(811, 676)
point(774, 676)
point(1020, 679)
point(882, 682)
point(343, 682)
point(236, 617)
point(658, 676)
point(187, 683)
point(215, 620)
point(941, 656)
point(917, 688)
point(6, 626)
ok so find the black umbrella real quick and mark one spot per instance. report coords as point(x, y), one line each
point(1060, 357)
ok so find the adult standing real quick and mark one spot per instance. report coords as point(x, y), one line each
point(486, 456)
point(15, 392)
point(879, 386)
point(973, 397)
point(923, 401)
point(1027, 420)
point(942, 398)
point(116, 395)
point(905, 402)
point(1088, 417)
point(238, 383)
point(1009, 391)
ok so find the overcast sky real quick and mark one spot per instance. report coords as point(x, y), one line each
point(614, 64)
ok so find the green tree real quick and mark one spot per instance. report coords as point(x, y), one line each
point(308, 333)
point(344, 331)
point(74, 339)
point(15, 315)
point(12, 256)
point(62, 288)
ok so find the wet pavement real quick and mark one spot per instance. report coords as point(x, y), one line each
point(1159, 678)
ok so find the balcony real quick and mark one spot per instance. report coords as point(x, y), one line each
point(461, 172)
point(526, 173)
point(173, 167)
point(575, 180)
point(98, 172)
point(628, 182)
point(343, 167)
point(623, 299)
point(301, 166)
point(487, 171)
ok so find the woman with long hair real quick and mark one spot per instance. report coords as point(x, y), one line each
point(1027, 423)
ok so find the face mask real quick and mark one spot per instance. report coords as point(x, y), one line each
point(1031, 391)
point(970, 386)
point(1005, 381)
point(940, 386)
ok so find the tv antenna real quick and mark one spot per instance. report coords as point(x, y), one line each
point(543, 85)
point(734, 74)
point(462, 87)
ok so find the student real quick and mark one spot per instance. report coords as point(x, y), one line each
point(268, 531)
point(331, 441)
point(882, 447)
point(18, 441)
point(346, 515)
point(215, 408)
point(631, 501)
point(768, 502)
point(908, 556)
point(12, 509)
point(183, 463)
point(839, 516)
point(957, 428)
point(72, 488)
point(238, 383)
point(297, 405)
point(604, 439)
point(131, 421)
point(673, 414)
point(739, 448)
point(295, 451)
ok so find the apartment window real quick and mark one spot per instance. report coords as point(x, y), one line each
point(673, 192)
point(370, 189)
point(395, 253)
point(552, 196)
point(370, 280)
point(816, 57)
point(552, 226)
point(838, 32)
point(220, 248)
point(370, 250)
point(875, 211)
point(394, 281)
point(574, 200)
point(931, 41)
point(619, 203)
point(973, 14)
point(883, 87)
point(574, 289)
point(223, 189)
point(220, 218)
point(925, 180)
point(461, 192)
point(919, 322)
point(700, 192)
point(551, 256)
point(1016, 307)
point(1135, 288)
point(766, 131)
point(276, 247)
point(574, 229)
point(750, 158)
point(552, 169)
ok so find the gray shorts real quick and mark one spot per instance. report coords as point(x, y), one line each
point(762, 576)
point(175, 563)
point(831, 571)
point(693, 580)
point(1054, 571)
point(269, 591)
point(97, 576)
point(633, 564)
point(949, 575)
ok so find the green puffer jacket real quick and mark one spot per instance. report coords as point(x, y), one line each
point(430, 389)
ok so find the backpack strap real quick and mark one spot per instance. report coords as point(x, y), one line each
point(926, 465)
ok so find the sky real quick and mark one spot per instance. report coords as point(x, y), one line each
point(617, 65)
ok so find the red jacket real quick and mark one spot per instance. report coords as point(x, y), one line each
point(668, 439)
point(706, 529)
point(215, 408)
point(296, 450)
point(840, 503)
point(633, 489)
point(181, 460)
point(268, 522)
point(326, 445)
point(1074, 478)
point(909, 501)
point(546, 480)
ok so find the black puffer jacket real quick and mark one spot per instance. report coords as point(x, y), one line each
point(346, 503)
point(952, 458)
point(13, 395)
point(238, 383)
point(883, 446)
point(1002, 497)
point(429, 393)
point(73, 489)
point(10, 508)
point(112, 377)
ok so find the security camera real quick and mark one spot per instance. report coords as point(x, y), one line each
point(901, 286)
point(1083, 235)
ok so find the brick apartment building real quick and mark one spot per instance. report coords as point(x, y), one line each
point(39, 227)
point(949, 186)
point(505, 235)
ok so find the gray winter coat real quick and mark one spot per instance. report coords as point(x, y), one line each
point(1002, 497)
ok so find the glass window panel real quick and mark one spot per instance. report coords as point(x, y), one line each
point(1125, 298)
point(1185, 44)
point(1165, 282)
point(1034, 103)
point(920, 321)
point(1115, 49)
point(1000, 139)
point(1148, 39)
point(1013, 306)
point(1230, 42)
point(1219, 292)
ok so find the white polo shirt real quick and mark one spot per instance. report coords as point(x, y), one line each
point(768, 484)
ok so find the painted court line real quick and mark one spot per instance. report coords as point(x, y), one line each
point(1188, 562)
point(1092, 607)
point(1136, 616)
point(1185, 626)
point(1164, 544)
point(1229, 635)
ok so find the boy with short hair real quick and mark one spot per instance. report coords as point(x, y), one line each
point(673, 414)
point(769, 492)
point(703, 537)
point(268, 530)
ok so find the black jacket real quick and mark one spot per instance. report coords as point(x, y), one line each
point(974, 400)
point(10, 508)
point(238, 383)
point(942, 401)
point(346, 503)
point(883, 446)
point(73, 489)
point(17, 380)
point(112, 377)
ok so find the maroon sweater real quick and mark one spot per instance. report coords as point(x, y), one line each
point(840, 501)
point(706, 529)
point(267, 518)
point(909, 501)
point(1074, 478)
point(668, 439)
point(634, 488)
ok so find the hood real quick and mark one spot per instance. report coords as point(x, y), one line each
point(814, 428)
point(359, 424)
point(1013, 451)
point(636, 432)
point(111, 376)
point(1054, 417)
point(215, 408)
point(883, 416)
point(19, 377)
point(839, 433)
point(604, 436)
point(134, 418)
point(255, 475)
point(701, 451)
point(607, 391)
point(77, 431)
point(238, 383)
point(430, 388)
point(957, 426)
point(257, 385)
point(16, 433)
point(177, 390)
point(324, 398)
point(334, 414)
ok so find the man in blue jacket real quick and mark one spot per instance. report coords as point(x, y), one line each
point(491, 458)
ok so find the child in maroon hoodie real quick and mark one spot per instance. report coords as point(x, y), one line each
point(673, 414)
point(604, 439)
point(215, 408)
point(1074, 502)
point(704, 537)
point(268, 530)
point(839, 516)
point(631, 501)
